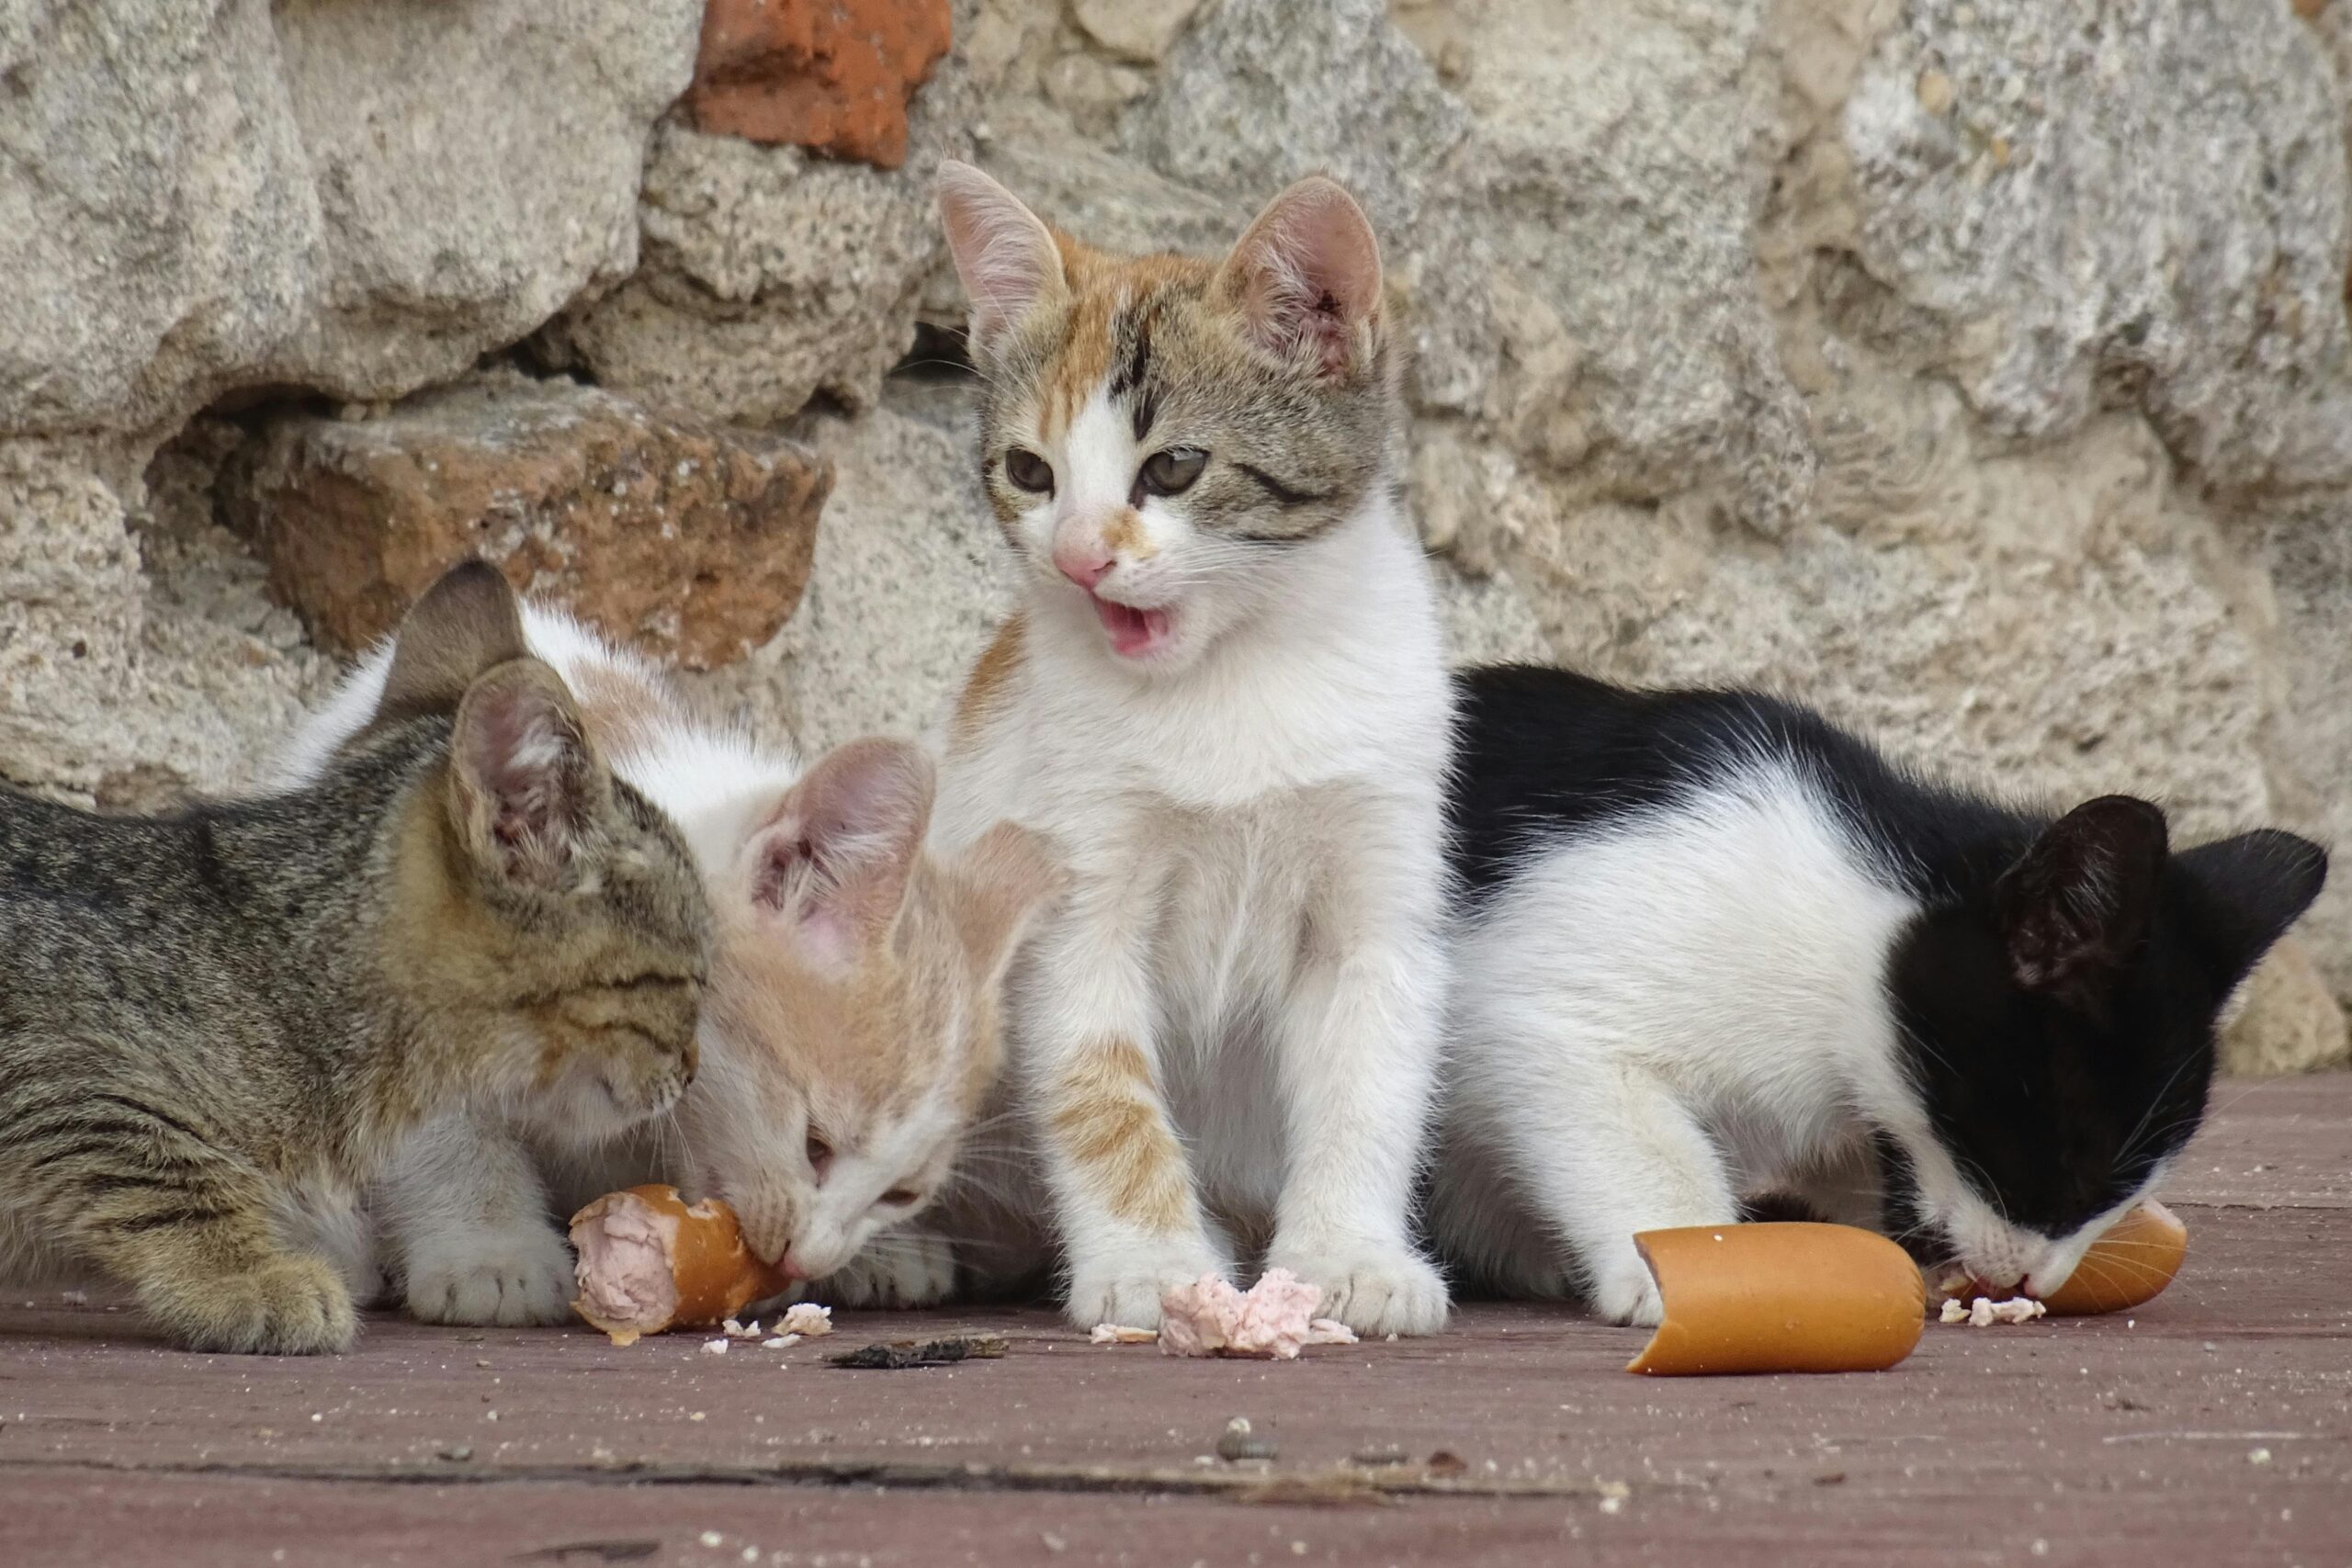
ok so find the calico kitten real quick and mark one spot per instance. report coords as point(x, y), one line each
point(1711, 943)
point(1224, 696)
point(214, 1025)
point(848, 1036)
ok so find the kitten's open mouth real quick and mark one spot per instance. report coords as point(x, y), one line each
point(1133, 632)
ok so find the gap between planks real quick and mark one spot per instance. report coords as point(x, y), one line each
point(1339, 1484)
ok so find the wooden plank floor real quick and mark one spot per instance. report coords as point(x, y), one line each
point(2213, 1426)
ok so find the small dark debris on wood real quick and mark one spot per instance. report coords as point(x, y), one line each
point(1235, 1444)
point(1379, 1458)
point(1446, 1461)
point(594, 1551)
point(895, 1355)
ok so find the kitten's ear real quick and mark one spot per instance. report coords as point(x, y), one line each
point(1005, 880)
point(467, 622)
point(2077, 907)
point(1006, 257)
point(2250, 889)
point(524, 783)
point(832, 862)
point(1305, 277)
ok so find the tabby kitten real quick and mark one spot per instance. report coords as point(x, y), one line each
point(214, 1025)
point(1224, 696)
point(848, 1037)
point(1711, 945)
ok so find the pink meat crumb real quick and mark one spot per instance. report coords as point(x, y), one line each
point(1274, 1318)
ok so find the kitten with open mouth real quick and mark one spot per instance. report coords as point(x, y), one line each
point(1224, 1041)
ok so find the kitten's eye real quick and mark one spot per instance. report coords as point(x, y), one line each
point(820, 1155)
point(899, 1197)
point(1171, 472)
point(1028, 470)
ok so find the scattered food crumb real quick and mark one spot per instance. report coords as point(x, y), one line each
point(1330, 1331)
point(458, 1451)
point(806, 1319)
point(780, 1342)
point(714, 1347)
point(712, 1538)
point(2259, 1456)
point(1053, 1542)
point(1209, 1318)
point(76, 1298)
point(1119, 1333)
point(1985, 1312)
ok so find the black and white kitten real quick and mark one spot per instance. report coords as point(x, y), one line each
point(1712, 944)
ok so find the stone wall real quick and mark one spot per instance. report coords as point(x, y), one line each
point(1977, 370)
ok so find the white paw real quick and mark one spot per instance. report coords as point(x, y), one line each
point(1128, 1291)
point(1372, 1289)
point(906, 1269)
point(1626, 1293)
point(507, 1278)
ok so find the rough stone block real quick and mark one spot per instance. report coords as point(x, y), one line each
point(688, 540)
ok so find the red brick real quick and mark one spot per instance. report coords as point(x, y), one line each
point(834, 76)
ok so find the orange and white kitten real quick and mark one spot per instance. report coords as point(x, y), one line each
point(850, 1029)
point(1224, 696)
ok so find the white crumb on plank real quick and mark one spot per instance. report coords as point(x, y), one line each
point(1985, 1312)
point(1120, 1333)
point(806, 1319)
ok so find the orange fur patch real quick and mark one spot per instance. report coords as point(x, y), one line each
point(1123, 535)
point(984, 689)
point(1100, 286)
point(1106, 1114)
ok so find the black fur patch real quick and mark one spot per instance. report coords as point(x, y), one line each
point(1132, 381)
point(1282, 494)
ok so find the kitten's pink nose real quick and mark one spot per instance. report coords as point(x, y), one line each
point(1084, 567)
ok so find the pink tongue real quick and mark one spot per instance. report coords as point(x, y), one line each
point(1132, 630)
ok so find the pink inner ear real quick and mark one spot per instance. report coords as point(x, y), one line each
point(1308, 275)
point(520, 749)
point(835, 856)
point(1006, 257)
